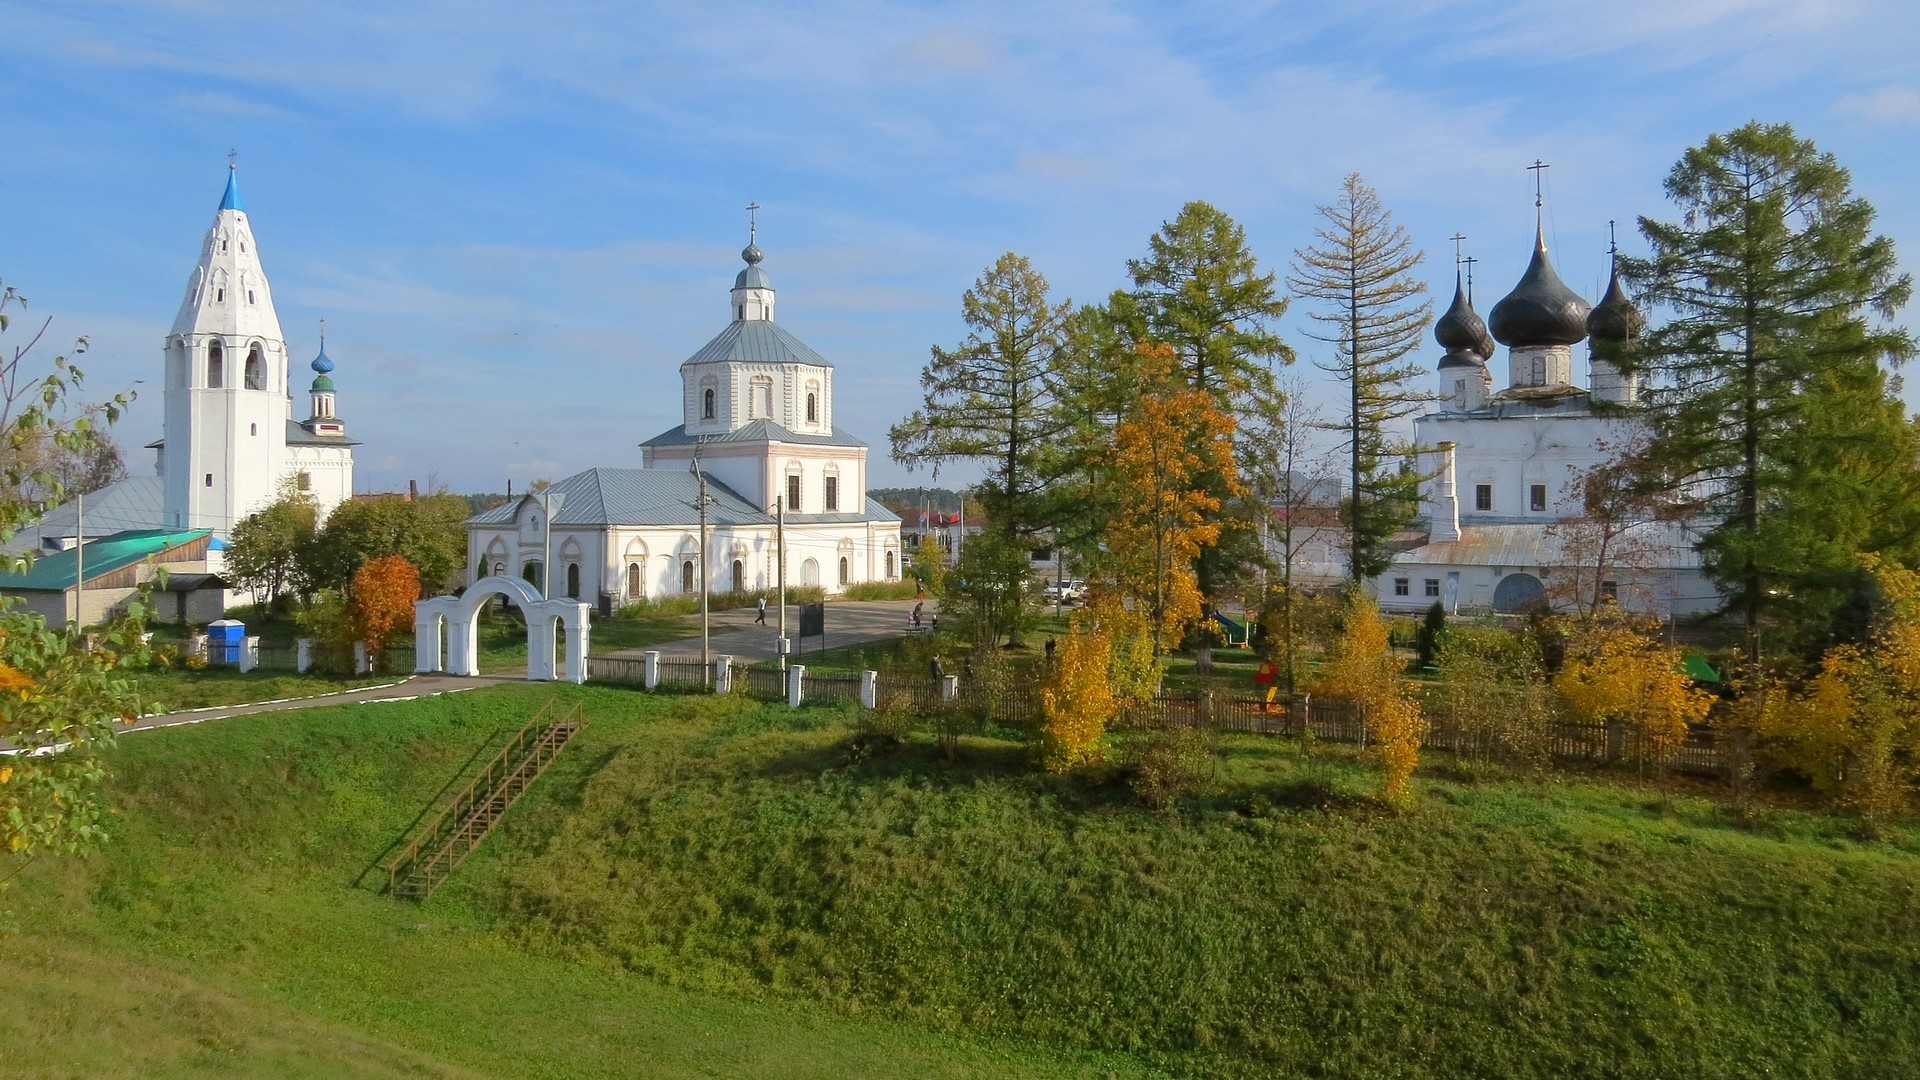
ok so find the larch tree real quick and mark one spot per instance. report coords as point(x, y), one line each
point(1165, 513)
point(1371, 309)
point(1770, 364)
point(1200, 290)
point(994, 399)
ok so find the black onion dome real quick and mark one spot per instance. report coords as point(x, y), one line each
point(1540, 310)
point(1614, 318)
point(1461, 330)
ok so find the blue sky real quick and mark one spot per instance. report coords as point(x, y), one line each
point(518, 218)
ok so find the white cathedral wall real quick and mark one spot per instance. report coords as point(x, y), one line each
point(329, 472)
point(1511, 455)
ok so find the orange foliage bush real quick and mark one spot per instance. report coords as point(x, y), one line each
point(384, 590)
point(1616, 670)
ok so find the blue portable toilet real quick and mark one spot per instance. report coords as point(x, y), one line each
point(224, 637)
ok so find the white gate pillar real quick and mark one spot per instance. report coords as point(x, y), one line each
point(870, 689)
point(541, 641)
point(796, 684)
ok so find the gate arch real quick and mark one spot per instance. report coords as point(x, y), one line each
point(431, 619)
point(1518, 592)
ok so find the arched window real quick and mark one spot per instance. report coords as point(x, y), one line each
point(686, 576)
point(256, 371)
point(843, 570)
point(889, 566)
point(813, 408)
point(739, 576)
point(531, 572)
point(499, 568)
point(216, 365)
point(707, 409)
point(573, 580)
point(810, 572)
point(633, 581)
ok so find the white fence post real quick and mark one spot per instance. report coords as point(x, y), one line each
point(949, 687)
point(870, 689)
point(362, 663)
point(249, 654)
point(796, 681)
point(652, 668)
point(723, 674)
point(197, 646)
point(302, 654)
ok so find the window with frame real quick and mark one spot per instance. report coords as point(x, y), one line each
point(303, 481)
point(686, 576)
point(1610, 590)
point(1432, 586)
point(831, 493)
point(793, 492)
point(216, 365)
point(813, 408)
point(844, 570)
point(1537, 496)
point(1400, 586)
point(633, 580)
point(708, 400)
point(1483, 496)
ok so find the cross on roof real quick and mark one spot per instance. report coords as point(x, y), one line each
point(753, 223)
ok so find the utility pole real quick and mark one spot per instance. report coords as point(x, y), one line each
point(706, 646)
point(780, 551)
point(79, 558)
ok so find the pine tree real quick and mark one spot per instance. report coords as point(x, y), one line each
point(1771, 384)
point(1372, 311)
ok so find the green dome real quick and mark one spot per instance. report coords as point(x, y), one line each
point(323, 382)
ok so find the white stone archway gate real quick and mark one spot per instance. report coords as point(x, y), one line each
point(544, 617)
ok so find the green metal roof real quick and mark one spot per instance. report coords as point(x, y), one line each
point(103, 556)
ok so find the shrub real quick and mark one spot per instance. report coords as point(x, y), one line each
point(881, 590)
point(1168, 766)
point(1077, 702)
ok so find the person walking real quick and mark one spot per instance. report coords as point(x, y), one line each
point(761, 619)
point(938, 671)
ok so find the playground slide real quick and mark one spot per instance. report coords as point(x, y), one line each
point(1236, 633)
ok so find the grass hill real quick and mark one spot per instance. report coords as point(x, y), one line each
point(717, 887)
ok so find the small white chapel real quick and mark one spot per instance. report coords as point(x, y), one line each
point(758, 424)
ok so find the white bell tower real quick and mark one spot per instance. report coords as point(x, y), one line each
point(225, 447)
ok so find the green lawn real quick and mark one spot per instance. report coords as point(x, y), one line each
point(709, 886)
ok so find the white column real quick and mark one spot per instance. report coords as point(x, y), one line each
point(796, 679)
point(576, 660)
point(949, 687)
point(249, 654)
point(302, 655)
point(541, 640)
point(197, 646)
point(723, 674)
point(652, 668)
point(362, 663)
point(870, 689)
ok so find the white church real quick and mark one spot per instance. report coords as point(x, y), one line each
point(757, 407)
point(230, 443)
point(1501, 502)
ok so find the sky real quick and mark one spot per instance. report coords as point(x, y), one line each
point(518, 218)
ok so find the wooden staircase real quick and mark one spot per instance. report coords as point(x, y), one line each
point(442, 846)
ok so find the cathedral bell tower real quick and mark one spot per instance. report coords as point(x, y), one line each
point(225, 446)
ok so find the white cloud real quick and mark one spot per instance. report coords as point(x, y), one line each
point(1887, 105)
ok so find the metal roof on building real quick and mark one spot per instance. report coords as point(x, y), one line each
point(657, 497)
point(756, 341)
point(133, 503)
point(57, 570)
point(1669, 545)
point(757, 431)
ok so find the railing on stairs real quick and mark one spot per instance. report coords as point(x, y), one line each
point(431, 857)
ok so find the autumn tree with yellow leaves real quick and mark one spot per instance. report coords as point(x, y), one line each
point(1077, 702)
point(1617, 671)
point(1853, 728)
point(1361, 669)
point(1171, 439)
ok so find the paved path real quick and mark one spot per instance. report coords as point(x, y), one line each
point(849, 622)
point(404, 688)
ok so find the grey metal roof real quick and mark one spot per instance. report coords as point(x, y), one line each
point(1663, 544)
point(756, 341)
point(757, 431)
point(300, 436)
point(752, 278)
point(134, 503)
point(657, 497)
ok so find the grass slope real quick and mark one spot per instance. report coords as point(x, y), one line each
point(698, 881)
point(233, 929)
